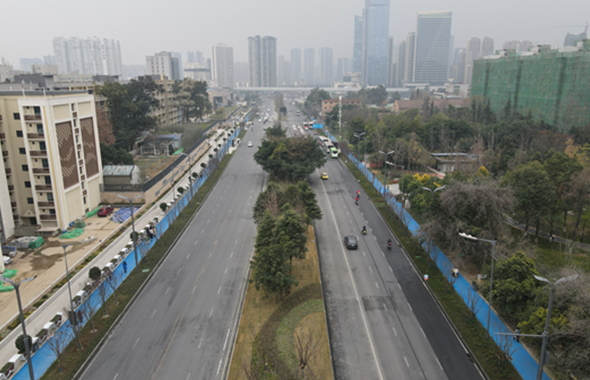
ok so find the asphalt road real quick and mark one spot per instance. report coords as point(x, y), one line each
point(384, 323)
point(183, 324)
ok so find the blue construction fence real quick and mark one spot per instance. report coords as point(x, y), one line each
point(64, 335)
point(524, 363)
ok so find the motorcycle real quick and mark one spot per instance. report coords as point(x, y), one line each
point(364, 230)
point(389, 244)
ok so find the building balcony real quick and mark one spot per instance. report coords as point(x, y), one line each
point(74, 114)
point(38, 153)
point(10, 187)
point(14, 217)
point(40, 170)
point(47, 217)
point(32, 117)
point(8, 170)
point(2, 136)
point(43, 187)
point(36, 136)
point(13, 204)
point(5, 153)
point(46, 204)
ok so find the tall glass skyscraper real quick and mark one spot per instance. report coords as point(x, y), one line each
point(432, 47)
point(375, 49)
point(357, 49)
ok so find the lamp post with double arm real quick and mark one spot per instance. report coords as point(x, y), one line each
point(16, 286)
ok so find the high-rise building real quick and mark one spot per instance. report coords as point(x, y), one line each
point(326, 66)
point(573, 39)
point(49, 60)
point(473, 53)
point(163, 63)
point(180, 65)
point(343, 66)
point(284, 71)
point(391, 64)
point(91, 56)
point(51, 152)
point(433, 37)
point(401, 63)
point(241, 73)
point(487, 46)
point(560, 98)
point(309, 66)
point(222, 65)
point(262, 57)
point(457, 68)
point(296, 65)
point(375, 42)
point(357, 49)
point(197, 72)
point(410, 57)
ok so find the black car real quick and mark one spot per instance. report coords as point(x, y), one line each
point(351, 242)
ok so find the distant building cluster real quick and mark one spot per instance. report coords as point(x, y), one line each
point(163, 63)
point(90, 56)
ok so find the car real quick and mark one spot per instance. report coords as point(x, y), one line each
point(105, 211)
point(249, 144)
point(6, 260)
point(325, 175)
point(351, 242)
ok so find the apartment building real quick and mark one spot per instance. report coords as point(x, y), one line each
point(167, 112)
point(50, 158)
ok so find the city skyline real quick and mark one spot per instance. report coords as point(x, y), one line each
point(469, 19)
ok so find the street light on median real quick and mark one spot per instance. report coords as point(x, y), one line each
point(385, 170)
point(358, 136)
point(16, 286)
point(546, 331)
point(493, 243)
point(130, 200)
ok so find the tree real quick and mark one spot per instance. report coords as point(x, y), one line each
point(111, 155)
point(306, 348)
point(313, 102)
point(532, 191)
point(290, 234)
point(307, 195)
point(377, 95)
point(113, 282)
point(105, 129)
point(579, 193)
point(292, 158)
point(57, 344)
point(271, 271)
point(94, 273)
point(191, 98)
point(88, 309)
point(473, 301)
point(276, 131)
point(20, 343)
point(103, 292)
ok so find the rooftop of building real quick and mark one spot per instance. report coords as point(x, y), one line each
point(581, 46)
point(39, 93)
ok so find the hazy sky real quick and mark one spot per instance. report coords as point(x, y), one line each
point(148, 26)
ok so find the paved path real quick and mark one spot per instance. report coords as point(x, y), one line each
point(558, 239)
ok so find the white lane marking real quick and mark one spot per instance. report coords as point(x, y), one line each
point(385, 306)
point(226, 337)
point(421, 329)
point(399, 286)
point(377, 285)
point(203, 230)
point(383, 253)
point(195, 242)
point(208, 220)
point(188, 376)
point(395, 332)
point(213, 212)
point(370, 269)
point(375, 237)
point(135, 343)
point(210, 254)
point(201, 341)
point(189, 255)
point(219, 367)
point(407, 364)
point(232, 255)
point(195, 288)
point(236, 242)
point(117, 375)
point(364, 254)
point(154, 313)
point(438, 363)
point(177, 273)
point(410, 306)
point(211, 313)
point(225, 271)
point(219, 290)
point(391, 269)
point(167, 290)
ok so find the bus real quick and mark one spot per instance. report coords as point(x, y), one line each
point(333, 152)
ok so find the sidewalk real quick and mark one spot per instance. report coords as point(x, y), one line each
point(60, 299)
point(558, 239)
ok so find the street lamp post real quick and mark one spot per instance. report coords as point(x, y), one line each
point(16, 286)
point(358, 136)
point(385, 169)
point(65, 246)
point(430, 212)
point(130, 200)
point(546, 331)
point(493, 243)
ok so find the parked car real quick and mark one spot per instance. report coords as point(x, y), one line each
point(105, 211)
point(351, 242)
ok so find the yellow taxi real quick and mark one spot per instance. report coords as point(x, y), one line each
point(324, 175)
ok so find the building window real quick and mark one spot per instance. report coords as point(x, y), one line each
point(50, 197)
point(73, 107)
point(45, 163)
point(47, 180)
point(80, 168)
point(19, 133)
point(25, 168)
point(82, 184)
point(76, 139)
point(40, 129)
point(84, 200)
point(30, 201)
point(22, 151)
point(16, 116)
point(42, 145)
point(27, 184)
point(74, 123)
point(51, 211)
point(78, 155)
point(37, 110)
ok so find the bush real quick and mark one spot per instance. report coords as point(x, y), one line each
point(163, 206)
point(204, 165)
point(94, 273)
point(180, 190)
point(20, 343)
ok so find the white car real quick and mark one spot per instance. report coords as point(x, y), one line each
point(249, 144)
point(6, 260)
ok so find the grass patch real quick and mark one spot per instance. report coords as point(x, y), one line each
point(73, 358)
point(473, 333)
point(267, 326)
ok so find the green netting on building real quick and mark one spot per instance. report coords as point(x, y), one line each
point(553, 86)
point(39, 241)
point(72, 234)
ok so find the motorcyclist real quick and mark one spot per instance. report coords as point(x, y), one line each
point(364, 230)
point(389, 243)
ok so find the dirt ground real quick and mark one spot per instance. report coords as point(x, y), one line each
point(151, 166)
point(47, 263)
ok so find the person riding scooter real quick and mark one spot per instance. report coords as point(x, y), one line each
point(364, 230)
point(389, 243)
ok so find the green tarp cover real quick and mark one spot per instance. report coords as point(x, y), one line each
point(72, 234)
point(36, 243)
point(93, 212)
point(9, 273)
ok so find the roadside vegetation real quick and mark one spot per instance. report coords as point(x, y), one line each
point(505, 165)
point(283, 331)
